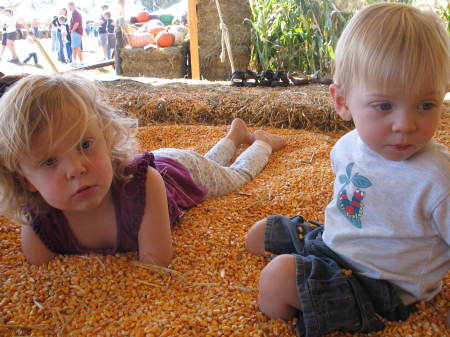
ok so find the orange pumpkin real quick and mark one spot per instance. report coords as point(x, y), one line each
point(143, 17)
point(139, 40)
point(156, 30)
point(165, 39)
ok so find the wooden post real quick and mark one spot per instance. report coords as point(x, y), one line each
point(120, 25)
point(119, 45)
point(193, 42)
point(43, 52)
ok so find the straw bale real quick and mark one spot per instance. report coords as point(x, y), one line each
point(210, 289)
point(167, 62)
point(234, 14)
point(301, 107)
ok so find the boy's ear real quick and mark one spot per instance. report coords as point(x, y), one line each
point(338, 95)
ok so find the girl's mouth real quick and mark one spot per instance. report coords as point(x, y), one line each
point(84, 191)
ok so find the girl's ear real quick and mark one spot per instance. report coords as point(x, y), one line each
point(338, 95)
point(26, 184)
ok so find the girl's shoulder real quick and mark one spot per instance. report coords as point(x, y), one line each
point(139, 164)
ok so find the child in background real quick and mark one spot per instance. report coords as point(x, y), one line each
point(384, 245)
point(32, 52)
point(65, 35)
point(68, 174)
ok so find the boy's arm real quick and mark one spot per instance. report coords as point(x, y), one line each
point(155, 236)
point(440, 218)
point(33, 248)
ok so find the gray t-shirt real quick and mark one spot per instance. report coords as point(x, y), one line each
point(390, 219)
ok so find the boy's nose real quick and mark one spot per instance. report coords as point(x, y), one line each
point(404, 122)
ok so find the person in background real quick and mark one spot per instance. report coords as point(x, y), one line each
point(54, 33)
point(3, 30)
point(110, 28)
point(102, 32)
point(32, 52)
point(107, 39)
point(60, 44)
point(11, 34)
point(76, 33)
point(65, 35)
point(35, 26)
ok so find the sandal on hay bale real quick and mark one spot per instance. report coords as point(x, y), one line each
point(298, 78)
point(251, 79)
point(316, 78)
point(280, 79)
point(265, 78)
point(238, 79)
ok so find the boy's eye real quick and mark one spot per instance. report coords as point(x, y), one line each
point(427, 106)
point(48, 162)
point(385, 106)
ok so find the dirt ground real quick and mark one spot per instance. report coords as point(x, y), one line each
point(91, 54)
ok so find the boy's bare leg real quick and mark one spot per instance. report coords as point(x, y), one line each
point(278, 295)
point(239, 133)
point(254, 240)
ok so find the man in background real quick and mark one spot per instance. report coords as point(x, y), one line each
point(76, 33)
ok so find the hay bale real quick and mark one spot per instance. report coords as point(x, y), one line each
point(299, 107)
point(234, 13)
point(155, 62)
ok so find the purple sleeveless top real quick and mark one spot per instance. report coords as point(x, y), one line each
point(129, 204)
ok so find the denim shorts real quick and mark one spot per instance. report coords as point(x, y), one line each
point(76, 40)
point(103, 40)
point(11, 36)
point(332, 296)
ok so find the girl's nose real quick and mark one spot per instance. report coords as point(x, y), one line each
point(404, 122)
point(76, 166)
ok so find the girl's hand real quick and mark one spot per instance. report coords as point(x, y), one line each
point(155, 236)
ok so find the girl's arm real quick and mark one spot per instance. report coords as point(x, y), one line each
point(33, 248)
point(155, 236)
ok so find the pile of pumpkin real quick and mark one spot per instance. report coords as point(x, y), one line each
point(147, 30)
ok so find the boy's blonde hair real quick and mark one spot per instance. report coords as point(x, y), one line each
point(391, 44)
point(41, 102)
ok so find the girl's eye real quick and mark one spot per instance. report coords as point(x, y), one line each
point(427, 106)
point(385, 106)
point(48, 162)
point(86, 144)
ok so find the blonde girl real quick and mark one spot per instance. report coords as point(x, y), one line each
point(70, 176)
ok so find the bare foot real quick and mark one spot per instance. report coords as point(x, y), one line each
point(239, 133)
point(275, 141)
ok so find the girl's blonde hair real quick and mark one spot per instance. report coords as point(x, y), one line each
point(391, 44)
point(41, 102)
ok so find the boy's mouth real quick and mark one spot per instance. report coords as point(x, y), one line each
point(401, 147)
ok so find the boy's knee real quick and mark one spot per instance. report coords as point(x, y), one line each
point(277, 288)
point(254, 240)
point(275, 275)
